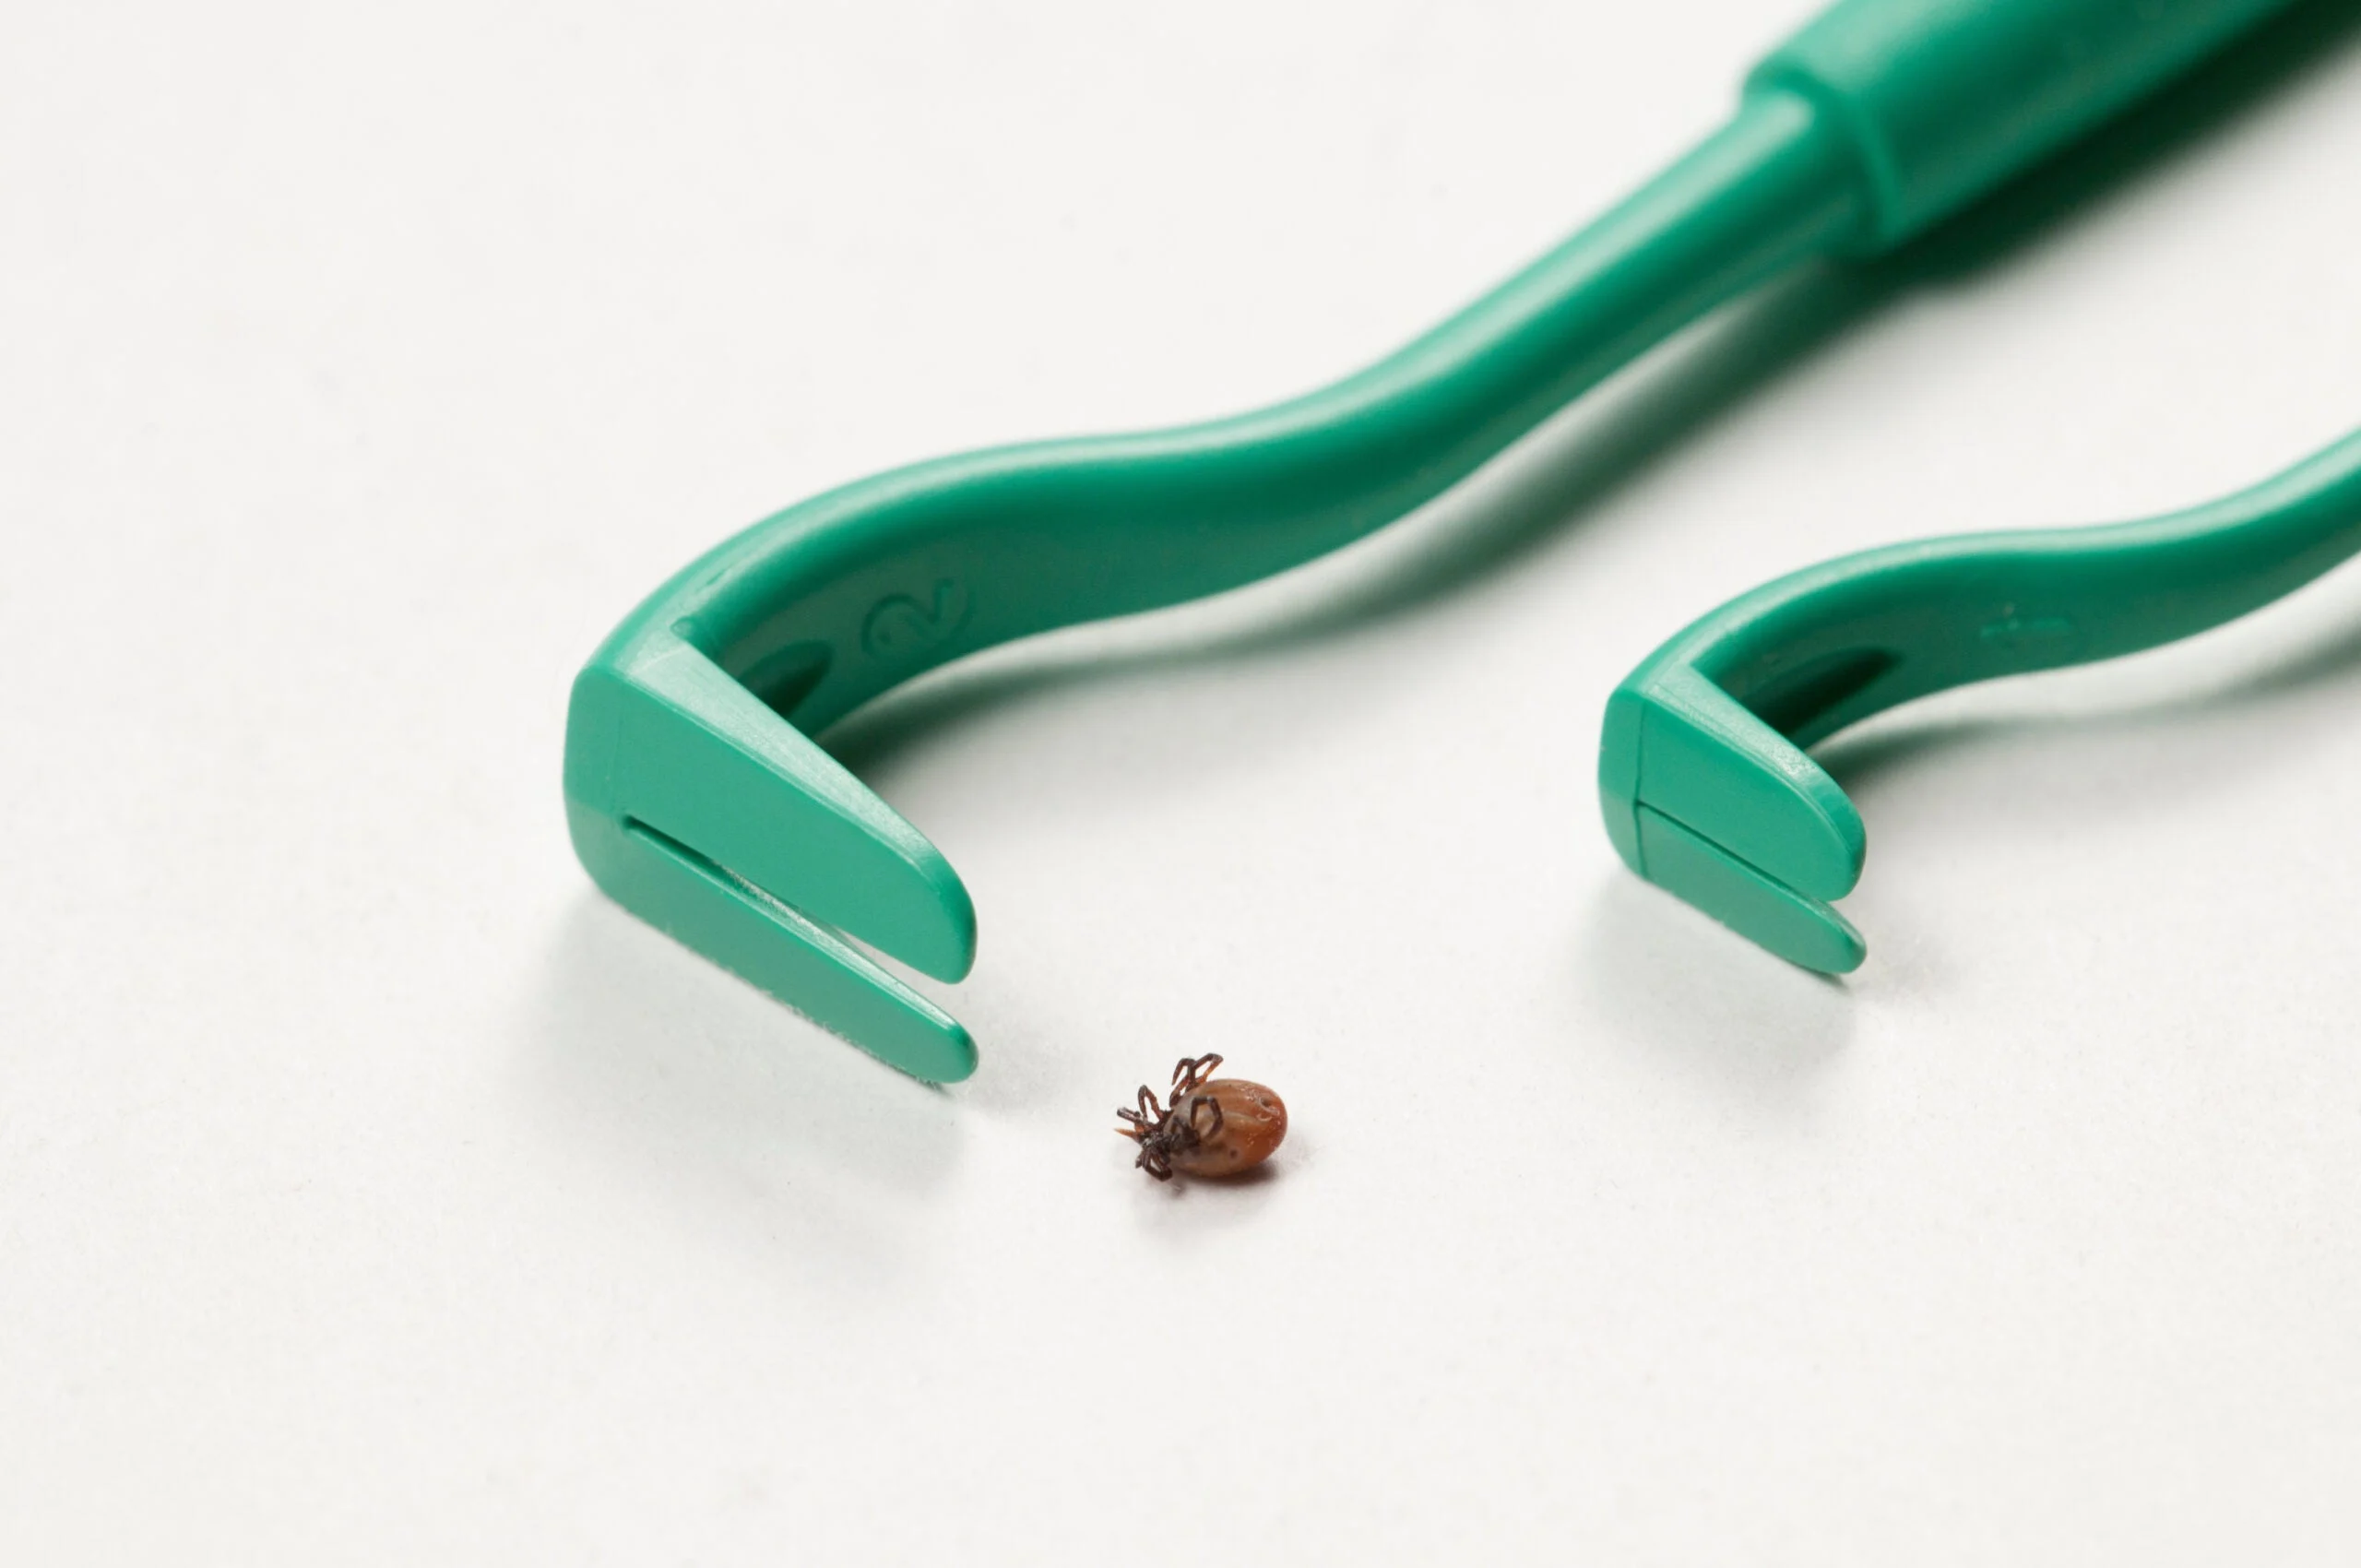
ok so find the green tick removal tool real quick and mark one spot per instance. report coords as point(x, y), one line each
point(695, 795)
point(1702, 774)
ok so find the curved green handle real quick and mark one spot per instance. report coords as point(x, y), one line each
point(695, 793)
point(821, 607)
point(1703, 778)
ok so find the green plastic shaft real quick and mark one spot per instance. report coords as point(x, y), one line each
point(1945, 99)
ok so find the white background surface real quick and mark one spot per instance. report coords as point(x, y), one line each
point(371, 1191)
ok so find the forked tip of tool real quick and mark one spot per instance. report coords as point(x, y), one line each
point(707, 815)
point(1708, 801)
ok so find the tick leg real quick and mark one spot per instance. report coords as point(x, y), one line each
point(1192, 1072)
point(1205, 1102)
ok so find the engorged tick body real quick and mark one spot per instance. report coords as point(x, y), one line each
point(1216, 1127)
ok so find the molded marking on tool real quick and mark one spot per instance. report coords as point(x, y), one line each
point(2013, 631)
point(902, 627)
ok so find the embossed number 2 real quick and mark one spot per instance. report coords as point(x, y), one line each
point(902, 626)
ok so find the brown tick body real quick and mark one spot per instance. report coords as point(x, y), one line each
point(1215, 1127)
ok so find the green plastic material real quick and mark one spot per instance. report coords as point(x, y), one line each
point(1945, 99)
point(699, 800)
point(1702, 774)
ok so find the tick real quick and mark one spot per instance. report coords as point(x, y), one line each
point(1215, 1127)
